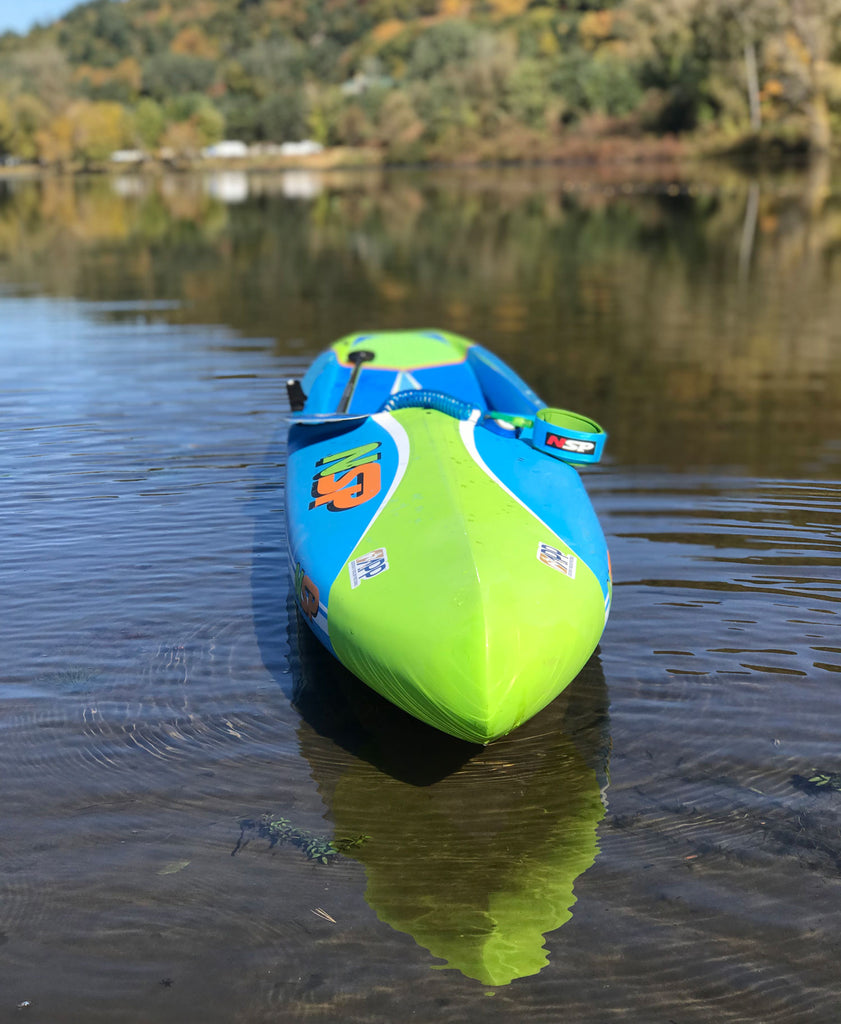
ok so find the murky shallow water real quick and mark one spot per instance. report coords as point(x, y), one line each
point(155, 694)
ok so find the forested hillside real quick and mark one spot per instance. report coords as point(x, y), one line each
point(420, 79)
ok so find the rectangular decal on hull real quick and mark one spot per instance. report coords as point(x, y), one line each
point(366, 567)
point(556, 559)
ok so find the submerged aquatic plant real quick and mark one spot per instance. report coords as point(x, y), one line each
point(74, 679)
point(818, 781)
point(280, 830)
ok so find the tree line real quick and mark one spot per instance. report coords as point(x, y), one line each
point(420, 79)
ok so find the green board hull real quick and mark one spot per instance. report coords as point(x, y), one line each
point(463, 571)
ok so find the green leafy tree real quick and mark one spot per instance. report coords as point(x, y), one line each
point(98, 129)
point(7, 127)
point(174, 74)
point(354, 128)
point(282, 116)
point(99, 33)
point(323, 106)
point(42, 72)
point(526, 91)
point(182, 106)
point(28, 117)
point(446, 43)
point(672, 59)
point(791, 41)
point(210, 123)
point(399, 129)
point(610, 86)
point(149, 123)
point(271, 66)
point(242, 117)
point(810, 32)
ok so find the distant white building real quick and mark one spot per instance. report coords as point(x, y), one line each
point(227, 149)
point(264, 149)
point(354, 86)
point(127, 156)
point(361, 83)
point(306, 147)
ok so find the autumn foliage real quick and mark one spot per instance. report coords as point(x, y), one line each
point(419, 79)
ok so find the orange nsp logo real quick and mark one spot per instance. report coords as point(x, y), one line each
point(348, 478)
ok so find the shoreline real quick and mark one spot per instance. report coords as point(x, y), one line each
point(663, 156)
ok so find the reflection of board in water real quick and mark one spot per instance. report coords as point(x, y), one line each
point(473, 851)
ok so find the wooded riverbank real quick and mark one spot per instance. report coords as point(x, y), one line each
point(424, 81)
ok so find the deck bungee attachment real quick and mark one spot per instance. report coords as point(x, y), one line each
point(436, 400)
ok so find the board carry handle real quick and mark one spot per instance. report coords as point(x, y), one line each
point(513, 420)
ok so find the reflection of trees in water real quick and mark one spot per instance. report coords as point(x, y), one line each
point(719, 299)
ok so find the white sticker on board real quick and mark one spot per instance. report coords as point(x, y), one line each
point(366, 567)
point(556, 559)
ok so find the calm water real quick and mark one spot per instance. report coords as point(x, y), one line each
point(155, 692)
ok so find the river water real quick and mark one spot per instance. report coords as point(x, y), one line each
point(650, 848)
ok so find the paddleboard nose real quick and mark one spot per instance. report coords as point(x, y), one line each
point(465, 664)
point(459, 605)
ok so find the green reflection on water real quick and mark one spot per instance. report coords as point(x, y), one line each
point(472, 851)
point(477, 868)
